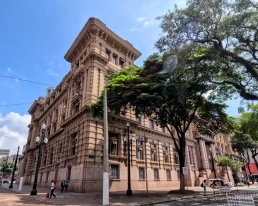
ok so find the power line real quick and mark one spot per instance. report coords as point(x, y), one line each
point(8, 105)
point(25, 80)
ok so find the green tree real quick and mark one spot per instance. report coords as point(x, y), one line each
point(245, 138)
point(172, 101)
point(243, 143)
point(224, 34)
point(226, 161)
point(7, 169)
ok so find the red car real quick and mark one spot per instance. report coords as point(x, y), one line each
point(6, 180)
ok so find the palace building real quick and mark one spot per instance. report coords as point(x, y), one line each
point(75, 139)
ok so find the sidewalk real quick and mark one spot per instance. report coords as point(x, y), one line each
point(116, 198)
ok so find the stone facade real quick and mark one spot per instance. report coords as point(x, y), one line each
point(75, 146)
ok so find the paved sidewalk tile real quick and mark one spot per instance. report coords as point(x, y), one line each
point(116, 198)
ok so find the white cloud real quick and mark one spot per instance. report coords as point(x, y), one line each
point(52, 73)
point(9, 70)
point(13, 131)
point(147, 24)
point(140, 19)
point(144, 25)
point(135, 29)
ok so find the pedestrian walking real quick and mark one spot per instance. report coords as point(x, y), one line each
point(62, 186)
point(66, 185)
point(247, 182)
point(204, 187)
point(53, 186)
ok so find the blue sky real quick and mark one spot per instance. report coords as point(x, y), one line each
point(35, 35)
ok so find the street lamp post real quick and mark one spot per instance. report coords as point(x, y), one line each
point(212, 161)
point(105, 198)
point(14, 168)
point(129, 191)
point(39, 142)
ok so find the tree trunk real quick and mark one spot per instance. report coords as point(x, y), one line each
point(248, 162)
point(182, 161)
point(182, 177)
point(256, 163)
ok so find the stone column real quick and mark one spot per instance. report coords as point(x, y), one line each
point(204, 157)
point(84, 91)
point(187, 177)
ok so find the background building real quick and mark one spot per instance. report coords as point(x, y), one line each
point(4, 153)
point(75, 147)
point(49, 91)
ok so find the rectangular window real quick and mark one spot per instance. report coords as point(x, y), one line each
point(162, 129)
point(165, 154)
point(113, 144)
point(114, 59)
point(60, 148)
point(156, 173)
point(73, 144)
point(51, 157)
point(176, 158)
point(69, 171)
point(76, 107)
point(138, 119)
point(168, 172)
point(121, 63)
point(151, 124)
point(139, 148)
point(41, 175)
point(114, 171)
point(153, 152)
point(54, 127)
point(47, 174)
point(178, 174)
point(141, 173)
point(108, 55)
point(191, 155)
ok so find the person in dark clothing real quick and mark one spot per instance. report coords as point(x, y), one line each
point(62, 186)
point(66, 185)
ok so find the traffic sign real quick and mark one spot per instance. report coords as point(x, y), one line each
point(185, 171)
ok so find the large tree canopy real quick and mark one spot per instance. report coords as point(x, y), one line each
point(173, 101)
point(245, 138)
point(225, 34)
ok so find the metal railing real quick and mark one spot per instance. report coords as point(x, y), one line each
point(234, 198)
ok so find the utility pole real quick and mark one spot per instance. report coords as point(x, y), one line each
point(105, 200)
point(146, 164)
point(14, 168)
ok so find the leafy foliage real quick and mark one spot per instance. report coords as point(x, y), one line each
point(223, 35)
point(7, 168)
point(225, 161)
point(245, 138)
point(172, 101)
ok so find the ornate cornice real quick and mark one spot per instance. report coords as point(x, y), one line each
point(95, 27)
